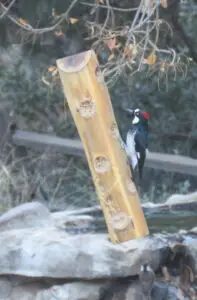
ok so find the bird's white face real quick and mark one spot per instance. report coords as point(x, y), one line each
point(136, 116)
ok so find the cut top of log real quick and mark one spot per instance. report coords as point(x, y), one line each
point(75, 63)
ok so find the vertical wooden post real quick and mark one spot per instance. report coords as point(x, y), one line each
point(91, 108)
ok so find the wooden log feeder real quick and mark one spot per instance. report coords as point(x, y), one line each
point(91, 108)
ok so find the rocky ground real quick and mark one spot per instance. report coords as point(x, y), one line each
point(40, 260)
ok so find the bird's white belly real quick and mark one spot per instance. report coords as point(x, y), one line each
point(130, 149)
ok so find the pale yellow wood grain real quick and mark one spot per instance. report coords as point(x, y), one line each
point(83, 87)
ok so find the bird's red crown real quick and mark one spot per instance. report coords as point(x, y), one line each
point(146, 115)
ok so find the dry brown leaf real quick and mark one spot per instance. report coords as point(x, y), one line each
point(52, 68)
point(127, 51)
point(164, 3)
point(151, 60)
point(111, 43)
point(74, 20)
point(58, 33)
point(22, 21)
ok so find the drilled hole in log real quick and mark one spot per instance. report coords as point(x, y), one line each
point(131, 186)
point(114, 130)
point(99, 75)
point(101, 164)
point(87, 108)
point(120, 221)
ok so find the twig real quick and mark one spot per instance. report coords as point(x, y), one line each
point(112, 7)
point(6, 9)
point(29, 28)
point(135, 41)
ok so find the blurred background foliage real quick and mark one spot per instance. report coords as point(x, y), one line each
point(61, 180)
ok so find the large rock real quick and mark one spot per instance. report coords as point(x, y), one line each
point(11, 289)
point(5, 288)
point(181, 198)
point(32, 214)
point(49, 252)
point(130, 290)
point(74, 291)
point(26, 292)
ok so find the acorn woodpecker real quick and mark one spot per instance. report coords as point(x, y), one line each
point(136, 144)
point(147, 278)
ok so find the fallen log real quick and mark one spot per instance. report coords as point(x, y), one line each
point(159, 161)
point(168, 216)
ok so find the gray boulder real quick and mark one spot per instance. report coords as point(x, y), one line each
point(12, 288)
point(49, 252)
point(5, 288)
point(74, 291)
point(33, 214)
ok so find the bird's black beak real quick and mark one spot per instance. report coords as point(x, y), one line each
point(128, 111)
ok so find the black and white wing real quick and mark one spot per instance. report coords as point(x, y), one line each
point(141, 149)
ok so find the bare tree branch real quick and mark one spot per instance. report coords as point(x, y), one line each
point(125, 48)
point(112, 7)
point(29, 28)
point(6, 9)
